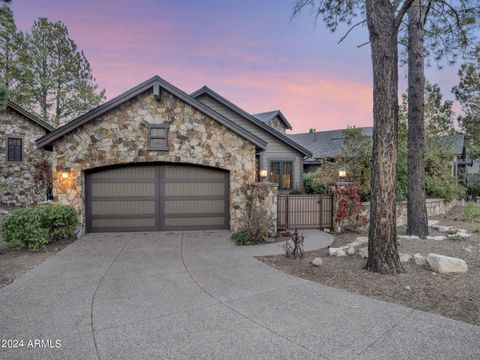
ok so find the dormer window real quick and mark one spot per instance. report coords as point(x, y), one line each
point(158, 137)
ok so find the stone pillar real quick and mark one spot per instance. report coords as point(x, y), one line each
point(265, 194)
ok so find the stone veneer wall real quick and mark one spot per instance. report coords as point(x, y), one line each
point(21, 183)
point(265, 194)
point(277, 125)
point(120, 137)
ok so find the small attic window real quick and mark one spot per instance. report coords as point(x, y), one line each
point(158, 137)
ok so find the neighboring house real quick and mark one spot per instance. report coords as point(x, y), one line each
point(282, 157)
point(156, 158)
point(328, 145)
point(23, 174)
point(324, 146)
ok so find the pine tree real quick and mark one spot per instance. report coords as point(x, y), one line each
point(12, 56)
point(467, 92)
point(60, 77)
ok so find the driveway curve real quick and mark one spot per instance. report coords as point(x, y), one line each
point(193, 295)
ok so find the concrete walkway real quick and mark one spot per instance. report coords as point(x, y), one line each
point(313, 240)
point(194, 295)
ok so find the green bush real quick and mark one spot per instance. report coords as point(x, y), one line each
point(471, 212)
point(33, 228)
point(312, 185)
point(241, 238)
point(445, 187)
point(23, 228)
point(60, 220)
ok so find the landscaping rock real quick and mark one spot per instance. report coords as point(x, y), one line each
point(446, 264)
point(317, 261)
point(359, 241)
point(444, 229)
point(341, 251)
point(363, 252)
point(461, 233)
point(404, 258)
point(437, 238)
point(408, 237)
point(433, 222)
point(419, 259)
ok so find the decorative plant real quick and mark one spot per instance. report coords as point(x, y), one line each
point(297, 249)
point(349, 207)
point(255, 229)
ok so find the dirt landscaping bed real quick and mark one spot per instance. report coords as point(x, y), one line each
point(453, 295)
point(15, 262)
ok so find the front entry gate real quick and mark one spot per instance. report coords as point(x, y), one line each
point(305, 212)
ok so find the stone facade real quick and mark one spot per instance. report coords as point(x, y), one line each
point(22, 183)
point(120, 136)
point(265, 194)
point(277, 125)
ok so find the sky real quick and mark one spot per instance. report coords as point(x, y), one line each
point(249, 51)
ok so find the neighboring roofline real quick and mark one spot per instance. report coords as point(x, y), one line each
point(241, 112)
point(30, 116)
point(137, 90)
point(280, 116)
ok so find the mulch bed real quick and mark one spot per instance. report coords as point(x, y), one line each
point(453, 295)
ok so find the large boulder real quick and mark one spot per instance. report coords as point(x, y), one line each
point(419, 259)
point(341, 251)
point(404, 258)
point(446, 264)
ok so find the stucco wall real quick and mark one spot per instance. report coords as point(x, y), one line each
point(21, 183)
point(120, 137)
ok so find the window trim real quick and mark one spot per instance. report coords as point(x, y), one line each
point(157, 148)
point(17, 137)
point(292, 177)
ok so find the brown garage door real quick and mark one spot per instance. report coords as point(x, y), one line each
point(160, 197)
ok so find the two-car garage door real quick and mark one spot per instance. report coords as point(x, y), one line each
point(157, 197)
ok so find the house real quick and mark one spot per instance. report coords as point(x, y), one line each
point(324, 145)
point(156, 158)
point(24, 170)
point(328, 145)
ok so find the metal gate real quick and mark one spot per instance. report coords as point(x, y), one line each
point(305, 212)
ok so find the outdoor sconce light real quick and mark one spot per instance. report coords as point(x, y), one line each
point(342, 173)
point(65, 173)
point(263, 174)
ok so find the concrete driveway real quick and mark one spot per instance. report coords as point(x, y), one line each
point(194, 295)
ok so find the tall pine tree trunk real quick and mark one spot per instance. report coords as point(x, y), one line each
point(382, 238)
point(417, 222)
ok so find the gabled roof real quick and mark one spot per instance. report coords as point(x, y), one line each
point(253, 119)
point(30, 116)
point(325, 144)
point(269, 115)
point(137, 90)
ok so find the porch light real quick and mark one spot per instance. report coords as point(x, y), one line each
point(342, 173)
point(65, 173)
point(263, 174)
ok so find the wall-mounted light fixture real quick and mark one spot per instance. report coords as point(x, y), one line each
point(65, 173)
point(342, 173)
point(263, 174)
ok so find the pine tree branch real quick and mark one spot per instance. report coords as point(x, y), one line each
point(349, 30)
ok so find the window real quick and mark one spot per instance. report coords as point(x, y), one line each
point(14, 149)
point(158, 137)
point(281, 172)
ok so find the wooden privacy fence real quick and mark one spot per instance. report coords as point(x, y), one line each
point(305, 212)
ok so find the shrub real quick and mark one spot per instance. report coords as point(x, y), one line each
point(60, 220)
point(312, 185)
point(297, 249)
point(241, 238)
point(471, 212)
point(444, 186)
point(23, 228)
point(33, 228)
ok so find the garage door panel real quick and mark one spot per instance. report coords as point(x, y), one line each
point(123, 207)
point(123, 189)
point(197, 222)
point(157, 197)
point(194, 206)
point(193, 189)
